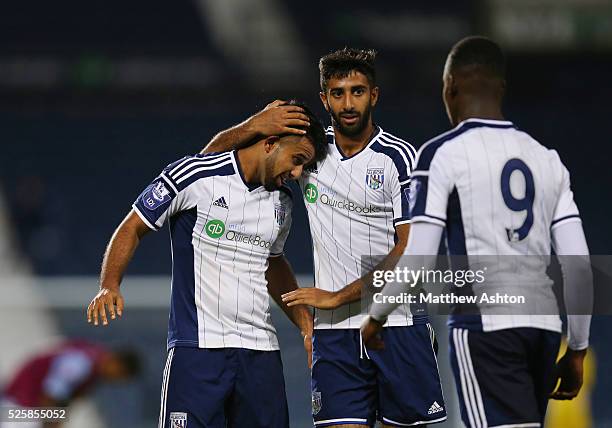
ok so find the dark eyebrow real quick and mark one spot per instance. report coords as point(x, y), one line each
point(354, 88)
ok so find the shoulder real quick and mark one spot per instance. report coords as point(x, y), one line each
point(401, 152)
point(189, 169)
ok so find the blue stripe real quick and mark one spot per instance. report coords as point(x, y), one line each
point(183, 321)
point(196, 163)
point(401, 142)
point(418, 200)
point(286, 190)
point(564, 218)
point(227, 169)
point(428, 151)
point(396, 157)
point(454, 226)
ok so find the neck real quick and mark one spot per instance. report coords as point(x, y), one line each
point(249, 165)
point(478, 108)
point(352, 144)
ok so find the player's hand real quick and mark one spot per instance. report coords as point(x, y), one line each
point(278, 119)
point(370, 333)
point(313, 296)
point(569, 372)
point(110, 298)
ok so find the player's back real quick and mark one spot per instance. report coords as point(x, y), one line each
point(505, 193)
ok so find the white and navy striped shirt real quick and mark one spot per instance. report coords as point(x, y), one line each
point(222, 232)
point(354, 204)
point(498, 192)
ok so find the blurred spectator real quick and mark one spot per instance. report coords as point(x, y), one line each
point(66, 372)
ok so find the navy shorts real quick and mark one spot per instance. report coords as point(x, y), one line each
point(399, 385)
point(219, 388)
point(503, 377)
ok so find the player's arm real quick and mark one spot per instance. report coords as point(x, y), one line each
point(572, 251)
point(281, 280)
point(323, 299)
point(117, 256)
point(424, 241)
point(275, 119)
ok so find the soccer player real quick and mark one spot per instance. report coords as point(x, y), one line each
point(229, 215)
point(497, 191)
point(358, 215)
point(58, 376)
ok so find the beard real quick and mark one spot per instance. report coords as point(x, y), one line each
point(355, 129)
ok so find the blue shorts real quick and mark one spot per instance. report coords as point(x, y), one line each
point(399, 385)
point(219, 388)
point(503, 377)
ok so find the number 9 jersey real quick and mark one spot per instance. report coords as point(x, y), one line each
point(498, 192)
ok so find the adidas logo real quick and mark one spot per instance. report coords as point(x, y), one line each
point(221, 203)
point(435, 408)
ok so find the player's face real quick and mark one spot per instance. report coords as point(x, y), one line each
point(285, 160)
point(349, 101)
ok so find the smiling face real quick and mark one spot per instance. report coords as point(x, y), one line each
point(285, 160)
point(349, 100)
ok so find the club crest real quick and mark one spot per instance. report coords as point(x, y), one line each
point(178, 420)
point(279, 214)
point(375, 178)
point(316, 402)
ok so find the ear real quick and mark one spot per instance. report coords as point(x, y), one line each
point(450, 87)
point(270, 143)
point(374, 95)
point(323, 97)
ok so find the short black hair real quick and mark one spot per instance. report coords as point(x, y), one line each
point(314, 132)
point(481, 52)
point(130, 360)
point(340, 63)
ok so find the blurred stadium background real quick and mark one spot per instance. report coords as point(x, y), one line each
point(97, 96)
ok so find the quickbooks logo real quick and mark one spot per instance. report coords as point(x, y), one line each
point(215, 228)
point(311, 193)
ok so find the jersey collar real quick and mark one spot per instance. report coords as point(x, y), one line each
point(375, 134)
point(236, 161)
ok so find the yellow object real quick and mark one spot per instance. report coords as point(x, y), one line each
point(574, 413)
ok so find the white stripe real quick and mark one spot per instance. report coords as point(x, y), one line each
point(327, 421)
point(419, 173)
point(464, 381)
point(401, 152)
point(404, 182)
point(210, 168)
point(201, 162)
point(169, 182)
point(402, 222)
point(468, 357)
point(164, 390)
point(143, 218)
point(433, 421)
point(526, 425)
point(399, 145)
point(190, 158)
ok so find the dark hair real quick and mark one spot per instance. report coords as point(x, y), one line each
point(481, 52)
point(315, 132)
point(130, 360)
point(340, 63)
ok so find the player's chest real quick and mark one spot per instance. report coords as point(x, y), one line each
point(362, 184)
point(233, 216)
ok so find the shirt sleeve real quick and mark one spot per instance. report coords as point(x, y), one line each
point(566, 210)
point(282, 215)
point(67, 373)
point(430, 188)
point(162, 198)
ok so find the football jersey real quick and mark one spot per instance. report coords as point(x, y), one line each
point(498, 192)
point(222, 232)
point(353, 205)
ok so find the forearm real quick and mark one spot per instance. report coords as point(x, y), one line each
point(281, 280)
point(420, 253)
point(236, 137)
point(119, 252)
point(573, 254)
